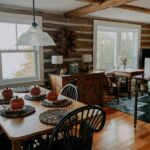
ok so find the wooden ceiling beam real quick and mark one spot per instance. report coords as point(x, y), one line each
point(135, 8)
point(92, 1)
point(99, 6)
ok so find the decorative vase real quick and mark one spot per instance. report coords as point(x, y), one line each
point(124, 66)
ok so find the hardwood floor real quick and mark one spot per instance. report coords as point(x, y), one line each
point(119, 133)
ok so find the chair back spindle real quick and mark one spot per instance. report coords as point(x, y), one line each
point(70, 91)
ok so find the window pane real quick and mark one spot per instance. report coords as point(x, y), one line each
point(106, 47)
point(18, 65)
point(127, 47)
point(21, 28)
point(7, 36)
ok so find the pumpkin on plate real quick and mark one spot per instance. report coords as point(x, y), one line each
point(52, 96)
point(35, 90)
point(16, 103)
point(7, 93)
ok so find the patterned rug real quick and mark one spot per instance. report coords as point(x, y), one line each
point(127, 105)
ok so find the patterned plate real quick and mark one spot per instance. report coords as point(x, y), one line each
point(9, 113)
point(22, 89)
point(4, 101)
point(34, 98)
point(52, 117)
point(58, 103)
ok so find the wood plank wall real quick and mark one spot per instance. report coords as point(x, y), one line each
point(83, 28)
point(84, 31)
point(84, 42)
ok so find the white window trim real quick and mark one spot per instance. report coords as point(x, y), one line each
point(124, 26)
point(20, 18)
point(25, 19)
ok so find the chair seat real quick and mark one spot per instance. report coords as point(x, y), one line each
point(139, 77)
point(59, 145)
point(70, 146)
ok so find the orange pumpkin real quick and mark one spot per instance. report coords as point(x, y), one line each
point(16, 103)
point(35, 90)
point(51, 96)
point(7, 93)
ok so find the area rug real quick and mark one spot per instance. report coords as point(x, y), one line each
point(127, 105)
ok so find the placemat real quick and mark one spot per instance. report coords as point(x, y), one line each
point(4, 101)
point(9, 113)
point(34, 98)
point(59, 103)
point(22, 89)
point(52, 117)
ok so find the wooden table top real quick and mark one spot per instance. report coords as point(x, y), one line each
point(129, 72)
point(24, 128)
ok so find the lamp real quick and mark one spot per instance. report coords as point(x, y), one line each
point(35, 36)
point(86, 59)
point(57, 60)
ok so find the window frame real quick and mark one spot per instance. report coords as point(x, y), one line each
point(38, 52)
point(117, 27)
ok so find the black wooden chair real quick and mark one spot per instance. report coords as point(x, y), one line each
point(75, 131)
point(111, 85)
point(70, 91)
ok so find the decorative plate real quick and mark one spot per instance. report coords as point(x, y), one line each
point(52, 117)
point(10, 110)
point(34, 98)
point(25, 111)
point(58, 103)
point(22, 89)
point(4, 101)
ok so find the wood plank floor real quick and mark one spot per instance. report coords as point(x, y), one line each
point(119, 133)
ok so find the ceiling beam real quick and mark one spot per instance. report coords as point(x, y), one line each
point(135, 8)
point(92, 1)
point(95, 7)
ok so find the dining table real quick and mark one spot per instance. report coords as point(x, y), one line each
point(23, 128)
point(129, 73)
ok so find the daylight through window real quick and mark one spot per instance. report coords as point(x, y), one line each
point(112, 41)
point(18, 63)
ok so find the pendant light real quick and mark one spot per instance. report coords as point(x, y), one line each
point(35, 36)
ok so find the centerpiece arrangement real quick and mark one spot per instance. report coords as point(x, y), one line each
point(124, 61)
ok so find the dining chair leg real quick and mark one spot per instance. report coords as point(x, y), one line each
point(117, 96)
point(16, 145)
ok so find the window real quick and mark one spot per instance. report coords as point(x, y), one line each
point(114, 40)
point(18, 64)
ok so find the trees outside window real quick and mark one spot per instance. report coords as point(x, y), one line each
point(112, 41)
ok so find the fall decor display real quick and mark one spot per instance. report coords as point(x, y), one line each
point(16, 103)
point(65, 41)
point(7, 93)
point(35, 90)
point(52, 96)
